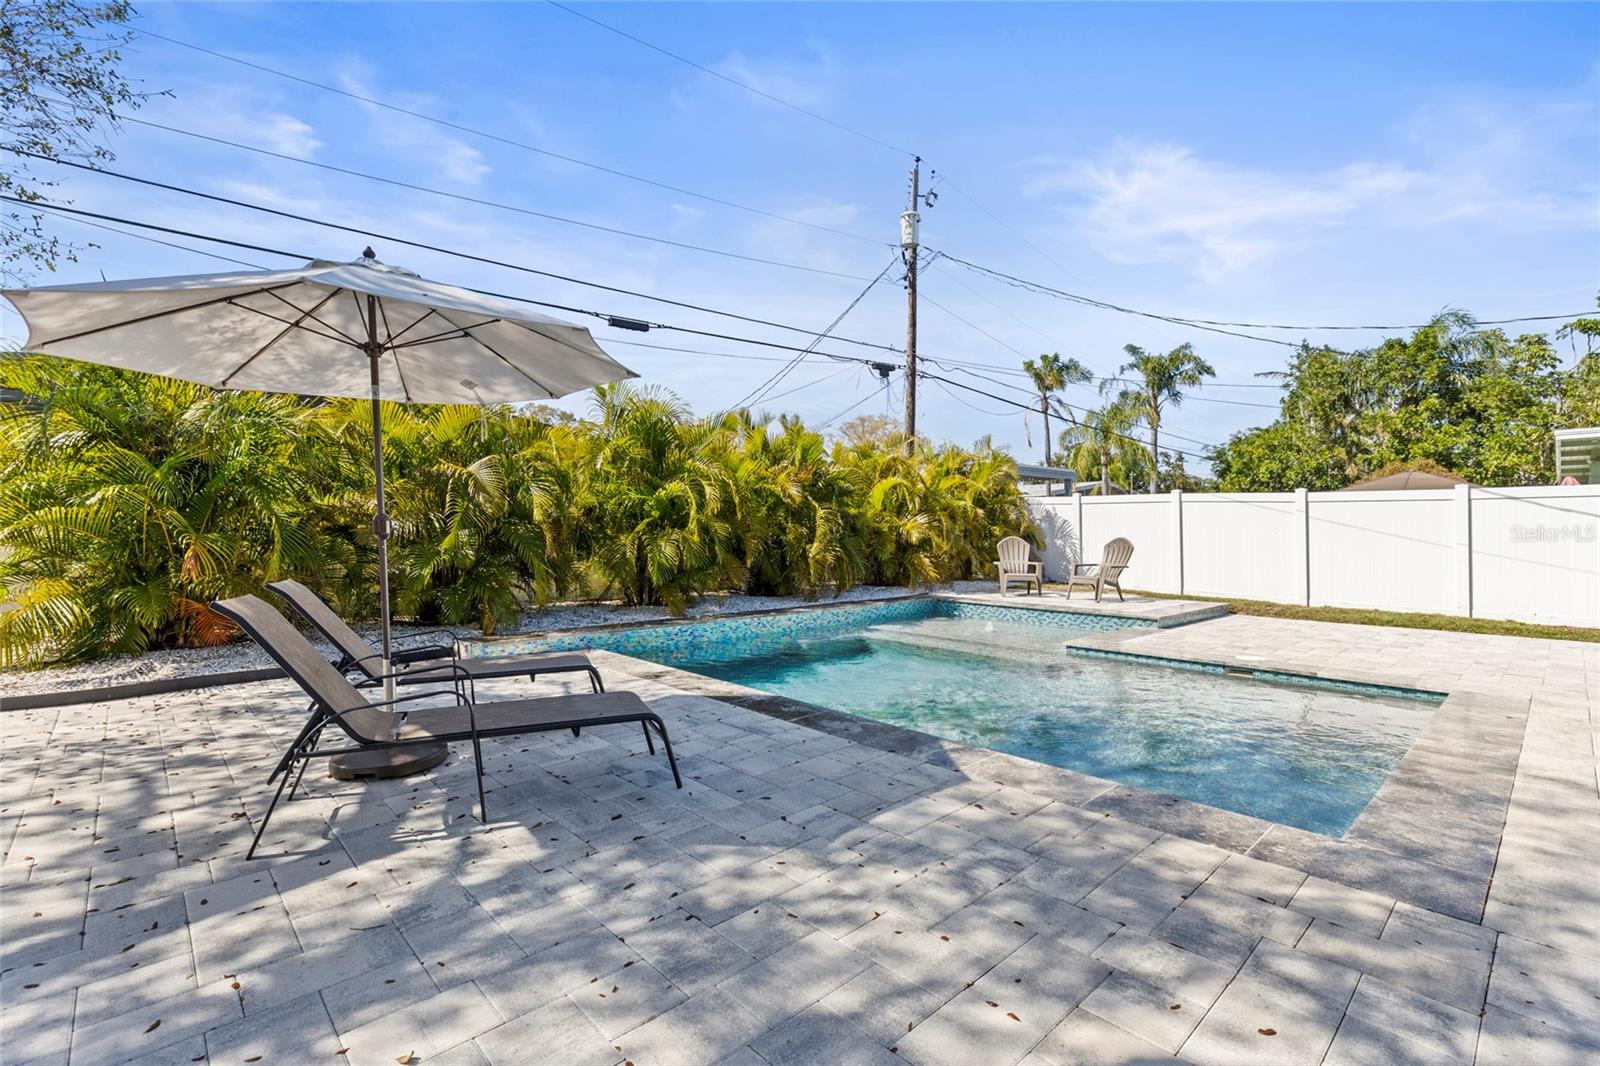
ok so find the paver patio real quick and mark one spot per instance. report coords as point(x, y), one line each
point(823, 890)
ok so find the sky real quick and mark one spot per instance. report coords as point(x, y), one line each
point(1300, 164)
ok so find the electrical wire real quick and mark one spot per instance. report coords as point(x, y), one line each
point(760, 391)
point(731, 80)
point(1066, 416)
point(479, 201)
point(825, 423)
point(52, 210)
point(376, 235)
point(487, 135)
point(1212, 325)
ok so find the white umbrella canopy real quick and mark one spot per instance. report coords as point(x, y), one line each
point(298, 331)
point(327, 329)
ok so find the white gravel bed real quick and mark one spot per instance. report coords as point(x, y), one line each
point(244, 655)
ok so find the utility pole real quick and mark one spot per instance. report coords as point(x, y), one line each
point(908, 248)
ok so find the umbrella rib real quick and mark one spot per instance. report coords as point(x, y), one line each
point(455, 333)
point(467, 330)
point(290, 328)
point(164, 314)
point(340, 339)
point(414, 324)
point(389, 333)
point(326, 325)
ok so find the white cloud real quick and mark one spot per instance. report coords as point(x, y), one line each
point(803, 84)
point(1459, 162)
point(419, 140)
point(286, 134)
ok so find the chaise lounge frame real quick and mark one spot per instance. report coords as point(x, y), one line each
point(393, 723)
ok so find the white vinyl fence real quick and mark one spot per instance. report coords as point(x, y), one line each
point(1527, 554)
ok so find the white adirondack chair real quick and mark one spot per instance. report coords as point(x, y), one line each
point(1106, 573)
point(1016, 568)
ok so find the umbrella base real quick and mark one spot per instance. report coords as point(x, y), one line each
point(387, 762)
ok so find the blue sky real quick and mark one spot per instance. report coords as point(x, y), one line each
point(1279, 163)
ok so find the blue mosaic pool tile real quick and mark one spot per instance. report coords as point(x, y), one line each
point(1278, 676)
point(730, 637)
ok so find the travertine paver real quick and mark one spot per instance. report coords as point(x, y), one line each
point(825, 889)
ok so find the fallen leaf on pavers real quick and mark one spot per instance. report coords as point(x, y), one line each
point(1267, 1032)
point(1176, 1006)
point(991, 1003)
point(154, 1026)
point(1012, 1016)
point(342, 1051)
point(253, 1058)
point(406, 1059)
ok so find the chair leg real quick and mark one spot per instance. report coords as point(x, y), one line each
point(477, 764)
point(256, 843)
point(667, 743)
point(647, 741)
point(311, 745)
point(594, 680)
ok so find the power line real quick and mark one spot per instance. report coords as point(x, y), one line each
point(731, 80)
point(487, 135)
point(233, 202)
point(83, 213)
point(1028, 407)
point(1211, 325)
point(480, 201)
point(142, 237)
point(759, 391)
point(825, 423)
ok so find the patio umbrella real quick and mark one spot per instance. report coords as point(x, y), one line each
point(326, 329)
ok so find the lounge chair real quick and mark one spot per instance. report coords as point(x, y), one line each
point(1015, 566)
point(425, 663)
point(394, 723)
point(1106, 573)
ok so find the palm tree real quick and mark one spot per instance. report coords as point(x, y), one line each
point(1051, 374)
point(1162, 379)
point(1101, 441)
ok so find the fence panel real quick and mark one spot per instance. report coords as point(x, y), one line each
point(1531, 554)
point(1393, 550)
point(1536, 554)
point(1250, 545)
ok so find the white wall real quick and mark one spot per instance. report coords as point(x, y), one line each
point(1527, 554)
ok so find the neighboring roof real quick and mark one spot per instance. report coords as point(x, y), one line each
point(1407, 479)
point(1045, 473)
point(1087, 488)
point(1577, 452)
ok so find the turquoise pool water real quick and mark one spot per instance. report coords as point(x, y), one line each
point(1306, 755)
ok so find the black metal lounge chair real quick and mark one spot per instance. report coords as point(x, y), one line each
point(393, 724)
point(423, 663)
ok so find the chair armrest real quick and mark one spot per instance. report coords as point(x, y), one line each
point(1083, 568)
point(1036, 566)
point(422, 653)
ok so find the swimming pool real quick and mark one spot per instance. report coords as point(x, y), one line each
point(1307, 754)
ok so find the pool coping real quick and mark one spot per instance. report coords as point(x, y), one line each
point(1429, 835)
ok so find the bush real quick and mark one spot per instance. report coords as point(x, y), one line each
point(128, 502)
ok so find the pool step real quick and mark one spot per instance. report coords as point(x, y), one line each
point(918, 635)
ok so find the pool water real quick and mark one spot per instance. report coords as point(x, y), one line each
point(1304, 755)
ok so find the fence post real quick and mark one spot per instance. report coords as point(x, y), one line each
point(1462, 512)
point(1077, 528)
point(1302, 510)
point(1177, 533)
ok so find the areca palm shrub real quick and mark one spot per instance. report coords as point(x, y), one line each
point(128, 502)
point(660, 526)
point(934, 516)
point(482, 502)
point(798, 511)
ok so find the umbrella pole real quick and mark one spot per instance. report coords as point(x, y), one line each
point(380, 519)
